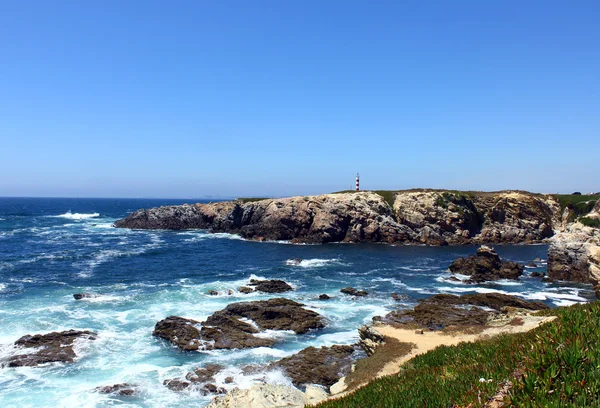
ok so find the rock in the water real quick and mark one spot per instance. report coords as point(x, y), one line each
point(182, 332)
point(353, 292)
point(245, 289)
point(225, 329)
point(213, 292)
point(486, 266)
point(270, 286)
point(123, 389)
point(204, 374)
point(262, 396)
point(200, 379)
point(440, 311)
point(323, 366)
point(324, 296)
point(370, 339)
point(176, 385)
point(532, 265)
point(400, 297)
point(79, 296)
point(536, 274)
point(55, 347)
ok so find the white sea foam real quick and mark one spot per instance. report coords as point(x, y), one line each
point(312, 263)
point(77, 216)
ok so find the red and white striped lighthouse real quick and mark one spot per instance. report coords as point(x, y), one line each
point(357, 179)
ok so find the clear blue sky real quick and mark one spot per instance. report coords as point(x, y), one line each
point(235, 98)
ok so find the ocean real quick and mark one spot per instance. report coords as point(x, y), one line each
point(51, 248)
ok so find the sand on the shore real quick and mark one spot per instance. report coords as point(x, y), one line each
point(432, 339)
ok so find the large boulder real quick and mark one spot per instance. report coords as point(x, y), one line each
point(370, 339)
point(55, 347)
point(262, 396)
point(322, 366)
point(270, 286)
point(441, 311)
point(236, 325)
point(486, 266)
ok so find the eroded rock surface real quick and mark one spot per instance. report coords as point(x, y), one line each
point(262, 396)
point(424, 216)
point(236, 325)
point(55, 347)
point(486, 266)
point(370, 339)
point(323, 366)
point(440, 311)
point(270, 286)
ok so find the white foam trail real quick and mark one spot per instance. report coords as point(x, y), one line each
point(76, 216)
point(311, 263)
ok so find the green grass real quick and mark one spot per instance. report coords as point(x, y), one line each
point(579, 204)
point(554, 365)
point(590, 222)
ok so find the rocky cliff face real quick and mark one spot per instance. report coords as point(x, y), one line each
point(574, 254)
point(424, 217)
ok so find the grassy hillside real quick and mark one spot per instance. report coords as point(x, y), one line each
point(579, 204)
point(554, 365)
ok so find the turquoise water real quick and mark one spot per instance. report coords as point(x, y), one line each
point(52, 248)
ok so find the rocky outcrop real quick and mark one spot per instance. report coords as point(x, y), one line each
point(270, 286)
point(55, 347)
point(486, 265)
point(441, 311)
point(123, 389)
point(236, 325)
point(79, 296)
point(262, 396)
point(370, 339)
point(424, 216)
point(574, 254)
point(322, 366)
point(201, 379)
point(353, 292)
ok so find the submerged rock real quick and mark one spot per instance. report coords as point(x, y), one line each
point(440, 311)
point(353, 292)
point(323, 366)
point(486, 266)
point(123, 389)
point(55, 347)
point(245, 289)
point(236, 325)
point(200, 379)
point(204, 374)
point(270, 286)
point(324, 297)
point(213, 292)
point(79, 296)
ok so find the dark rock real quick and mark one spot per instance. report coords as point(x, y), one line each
point(176, 385)
point(486, 266)
point(400, 297)
point(123, 389)
point(228, 380)
point(353, 292)
point(370, 339)
point(323, 366)
point(324, 297)
point(204, 374)
point(212, 389)
point(536, 274)
point(245, 289)
point(454, 279)
point(55, 347)
point(213, 292)
point(79, 296)
point(442, 310)
point(225, 330)
point(532, 265)
point(182, 332)
point(270, 286)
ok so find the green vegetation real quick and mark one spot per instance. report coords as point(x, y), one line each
point(554, 365)
point(251, 199)
point(590, 222)
point(579, 204)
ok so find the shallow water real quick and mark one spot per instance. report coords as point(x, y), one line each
point(52, 248)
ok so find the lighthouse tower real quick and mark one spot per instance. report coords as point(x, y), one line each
point(357, 179)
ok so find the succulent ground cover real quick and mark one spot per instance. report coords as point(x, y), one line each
point(554, 365)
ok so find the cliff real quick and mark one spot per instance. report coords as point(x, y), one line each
point(410, 217)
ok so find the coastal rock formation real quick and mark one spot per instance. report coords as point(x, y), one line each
point(440, 311)
point(200, 379)
point(123, 389)
point(424, 216)
point(55, 347)
point(79, 296)
point(353, 292)
point(262, 396)
point(236, 325)
point(370, 339)
point(270, 286)
point(486, 266)
point(574, 254)
point(322, 366)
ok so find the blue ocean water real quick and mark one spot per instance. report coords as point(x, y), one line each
point(53, 248)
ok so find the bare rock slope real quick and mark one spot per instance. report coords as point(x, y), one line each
point(424, 217)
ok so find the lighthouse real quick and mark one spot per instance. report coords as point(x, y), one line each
point(357, 179)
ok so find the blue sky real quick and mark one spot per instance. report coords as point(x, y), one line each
point(236, 98)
